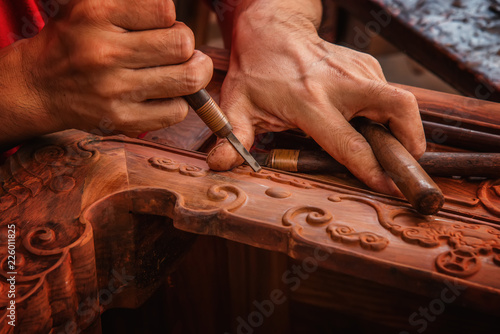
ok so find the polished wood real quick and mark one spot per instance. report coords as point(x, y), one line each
point(116, 180)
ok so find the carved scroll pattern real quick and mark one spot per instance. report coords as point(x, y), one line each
point(313, 216)
point(51, 167)
point(489, 194)
point(319, 217)
point(43, 249)
point(276, 177)
point(468, 242)
point(170, 165)
point(220, 193)
point(367, 240)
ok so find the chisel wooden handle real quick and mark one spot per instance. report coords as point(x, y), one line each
point(418, 188)
point(434, 163)
point(210, 113)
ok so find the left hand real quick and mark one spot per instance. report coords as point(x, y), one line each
point(282, 75)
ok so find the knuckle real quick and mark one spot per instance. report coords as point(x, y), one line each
point(354, 145)
point(184, 43)
point(196, 76)
point(406, 98)
point(350, 146)
point(167, 10)
point(120, 119)
point(177, 113)
point(370, 60)
point(93, 54)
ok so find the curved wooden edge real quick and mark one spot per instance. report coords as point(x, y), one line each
point(68, 185)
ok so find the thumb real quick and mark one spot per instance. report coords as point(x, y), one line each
point(223, 156)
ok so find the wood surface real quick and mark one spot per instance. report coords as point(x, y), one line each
point(109, 183)
point(457, 40)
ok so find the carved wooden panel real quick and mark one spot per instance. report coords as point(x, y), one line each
point(102, 181)
point(94, 224)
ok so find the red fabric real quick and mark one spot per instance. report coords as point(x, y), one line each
point(20, 19)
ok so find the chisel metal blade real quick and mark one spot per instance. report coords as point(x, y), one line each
point(243, 152)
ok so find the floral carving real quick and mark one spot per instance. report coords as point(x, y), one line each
point(348, 235)
point(170, 165)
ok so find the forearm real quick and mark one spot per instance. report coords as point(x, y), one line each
point(21, 114)
point(260, 12)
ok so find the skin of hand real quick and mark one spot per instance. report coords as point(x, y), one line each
point(121, 61)
point(282, 75)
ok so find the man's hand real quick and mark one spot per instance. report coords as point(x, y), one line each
point(282, 76)
point(122, 62)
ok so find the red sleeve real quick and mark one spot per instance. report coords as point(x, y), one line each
point(20, 19)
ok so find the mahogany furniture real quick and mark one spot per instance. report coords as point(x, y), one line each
point(455, 39)
point(100, 221)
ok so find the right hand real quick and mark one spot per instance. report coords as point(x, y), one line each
point(126, 62)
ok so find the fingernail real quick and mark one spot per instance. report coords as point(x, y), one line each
point(215, 148)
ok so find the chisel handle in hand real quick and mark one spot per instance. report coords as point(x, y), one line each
point(210, 113)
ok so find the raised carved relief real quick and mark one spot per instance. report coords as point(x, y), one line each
point(51, 166)
point(489, 194)
point(52, 260)
point(347, 235)
point(311, 215)
point(276, 177)
point(468, 242)
point(221, 193)
point(278, 192)
point(170, 165)
point(276, 211)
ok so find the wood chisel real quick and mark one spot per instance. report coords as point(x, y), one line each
point(214, 118)
point(435, 163)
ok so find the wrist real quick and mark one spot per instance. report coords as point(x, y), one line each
point(306, 12)
point(261, 19)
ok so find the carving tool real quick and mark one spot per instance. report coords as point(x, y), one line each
point(214, 118)
point(434, 163)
